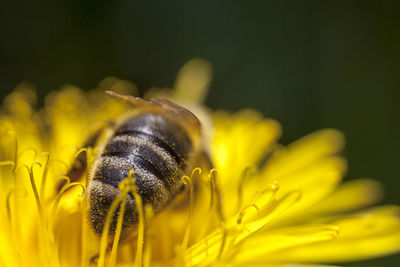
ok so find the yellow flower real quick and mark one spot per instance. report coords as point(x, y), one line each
point(264, 204)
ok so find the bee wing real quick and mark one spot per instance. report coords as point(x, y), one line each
point(136, 102)
point(176, 112)
point(180, 112)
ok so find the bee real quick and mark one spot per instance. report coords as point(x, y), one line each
point(160, 141)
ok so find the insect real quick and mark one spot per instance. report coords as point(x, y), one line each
point(160, 141)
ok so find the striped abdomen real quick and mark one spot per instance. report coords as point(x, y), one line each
point(158, 151)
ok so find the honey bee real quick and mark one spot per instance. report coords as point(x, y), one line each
point(160, 141)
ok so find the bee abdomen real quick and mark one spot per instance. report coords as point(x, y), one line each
point(104, 188)
point(142, 153)
point(158, 130)
point(152, 189)
point(157, 150)
point(178, 158)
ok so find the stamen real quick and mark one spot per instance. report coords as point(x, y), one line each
point(128, 185)
point(56, 202)
point(50, 250)
point(13, 134)
point(87, 152)
point(84, 225)
point(16, 211)
point(34, 189)
point(262, 200)
point(125, 187)
point(8, 205)
point(83, 149)
point(217, 193)
point(7, 163)
point(139, 206)
point(147, 251)
point(188, 181)
point(14, 245)
point(106, 229)
point(113, 256)
point(211, 179)
point(66, 179)
point(194, 172)
point(14, 222)
point(243, 178)
point(89, 161)
point(223, 242)
point(244, 212)
point(281, 205)
point(218, 209)
point(53, 214)
point(44, 177)
point(209, 249)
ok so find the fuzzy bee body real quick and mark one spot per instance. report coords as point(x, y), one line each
point(158, 141)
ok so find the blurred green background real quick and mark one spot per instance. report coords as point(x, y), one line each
point(308, 64)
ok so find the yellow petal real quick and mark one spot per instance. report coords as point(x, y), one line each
point(258, 248)
point(350, 196)
point(350, 250)
point(369, 234)
point(269, 213)
point(240, 141)
point(282, 265)
point(314, 182)
point(303, 152)
point(207, 250)
point(193, 80)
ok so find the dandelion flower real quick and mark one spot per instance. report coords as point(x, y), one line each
point(264, 204)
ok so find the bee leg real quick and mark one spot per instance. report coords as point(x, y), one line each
point(79, 165)
point(94, 259)
point(181, 189)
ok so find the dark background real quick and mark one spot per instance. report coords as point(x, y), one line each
point(308, 64)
